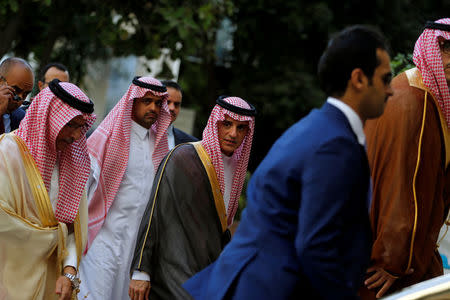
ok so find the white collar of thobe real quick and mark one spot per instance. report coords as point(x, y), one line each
point(170, 130)
point(228, 161)
point(140, 131)
point(352, 117)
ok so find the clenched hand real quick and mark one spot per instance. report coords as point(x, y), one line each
point(139, 289)
point(6, 95)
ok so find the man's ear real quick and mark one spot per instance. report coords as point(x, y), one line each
point(40, 85)
point(358, 79)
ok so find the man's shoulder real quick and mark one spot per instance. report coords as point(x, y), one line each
point(182, 152)
point(408, 85)
point(302, 141)
point(182, 137)
point(10, 145)
point(408, 97)
point(19, 113)
point(326, 125)
point(181, 161)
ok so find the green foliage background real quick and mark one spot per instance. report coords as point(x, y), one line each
point(276, 45)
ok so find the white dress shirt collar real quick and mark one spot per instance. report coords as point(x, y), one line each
point(229, 167)
point(171, 137)
point(352, 117)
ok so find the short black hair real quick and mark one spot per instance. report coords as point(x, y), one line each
point(57, 65)
point(354, 47)
point(172, 84)
point(6, 65)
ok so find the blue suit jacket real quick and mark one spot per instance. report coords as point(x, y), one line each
point(306, 227)
point(182, 137)
point(16, 117)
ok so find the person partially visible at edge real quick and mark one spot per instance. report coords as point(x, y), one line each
point(44, 167)
point(16, 82)
point(125, 149)
point(48, 73)
point(409, 154)
point(306, 230)
point(175, 136)
point(51, 71)
point(193, 202)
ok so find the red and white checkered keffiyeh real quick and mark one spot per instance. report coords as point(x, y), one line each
point(427, 58)
point(109, 145)
point(211, 144)
point(45, 118)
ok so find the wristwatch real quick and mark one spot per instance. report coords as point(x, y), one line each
point(74, 280)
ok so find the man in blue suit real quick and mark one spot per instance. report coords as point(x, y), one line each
point(175, 136)
point(16, 82)
point(306, 227)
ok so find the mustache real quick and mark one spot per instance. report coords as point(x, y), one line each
point(151, 114)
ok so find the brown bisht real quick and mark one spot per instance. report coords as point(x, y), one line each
point(183, 229)
point(409, 155)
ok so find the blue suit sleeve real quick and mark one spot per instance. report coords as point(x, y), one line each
point(333, 240)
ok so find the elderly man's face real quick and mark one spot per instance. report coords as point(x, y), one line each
point(21, 79)
point(444, 46)
point(71, 132)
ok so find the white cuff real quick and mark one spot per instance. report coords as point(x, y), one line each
point(138, 275)
point(71, 259)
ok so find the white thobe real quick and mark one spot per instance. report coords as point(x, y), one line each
point(229, 167)
point(105, 270)
point(71, 258)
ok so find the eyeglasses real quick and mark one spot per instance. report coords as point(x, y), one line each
point(16, 97)
point(445, 46)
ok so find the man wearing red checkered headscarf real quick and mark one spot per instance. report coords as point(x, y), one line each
point(125, 151)
point(193, 202)
point(43, 210)
point(409, 154)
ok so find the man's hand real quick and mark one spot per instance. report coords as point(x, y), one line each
point(6, 95)
point(64, 285)
point(139, 289)
point(381, 278)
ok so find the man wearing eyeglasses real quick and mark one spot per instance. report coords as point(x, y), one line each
point(16, 82)
point(409, 154)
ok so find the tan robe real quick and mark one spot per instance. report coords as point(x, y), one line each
point(410, 191)
point(32, 241)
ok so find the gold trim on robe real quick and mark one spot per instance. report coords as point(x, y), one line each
point(215, 187)
point(33, 243)
point(153, 205)
point(415, 80)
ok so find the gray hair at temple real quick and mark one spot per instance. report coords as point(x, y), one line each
point(6, 65)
